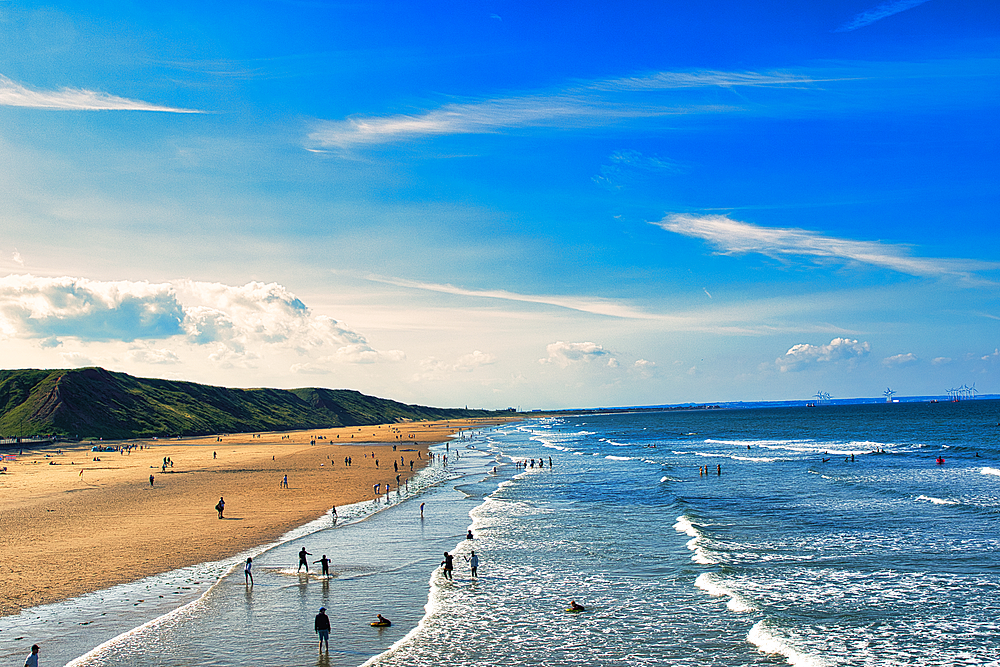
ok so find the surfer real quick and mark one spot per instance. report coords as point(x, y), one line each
point(575, 606)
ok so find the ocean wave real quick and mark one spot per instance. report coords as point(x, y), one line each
point(619, 458)
point(709, 582)
point(685, 526)
point(768, 641)
point(990, 471)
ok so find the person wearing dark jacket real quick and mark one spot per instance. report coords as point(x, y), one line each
point(322, 626)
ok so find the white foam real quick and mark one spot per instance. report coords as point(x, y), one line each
point(938, 501)
point(684, 525)
point(618, 458)
point(991, 471)
point(768, 641)
point(710, 583)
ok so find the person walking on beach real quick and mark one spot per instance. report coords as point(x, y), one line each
point(284, 482)
point(150, 480)
point(32, 659)
point(220, 506)
point(449, 565)
point(325, 563)
point(302, 559)
point(473, 561)
point(322, 627)
point(247, 574)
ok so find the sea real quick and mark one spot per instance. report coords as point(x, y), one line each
point(861, 535)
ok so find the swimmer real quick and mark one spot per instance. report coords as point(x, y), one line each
point(575, 606)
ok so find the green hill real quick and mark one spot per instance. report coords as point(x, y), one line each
point(95, 403)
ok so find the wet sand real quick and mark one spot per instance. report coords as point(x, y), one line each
point(65, 534)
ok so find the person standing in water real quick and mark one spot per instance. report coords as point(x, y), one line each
point(449, 565)
point(247, 573)
point(473, 561)
point(322, 627)
point(32, 659)
point(303, 561)
point(324, 563)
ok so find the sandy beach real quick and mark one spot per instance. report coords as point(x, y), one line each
point(67, 533)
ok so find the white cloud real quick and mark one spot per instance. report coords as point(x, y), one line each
point(89, 310)
point(75, 359)
point(643, 364)
point(732, 237)
point(878, 13)
point(16, 256)
point(361, 353)
point(432, 368)
point(145, 355)
point(900, 360)
point(236, 323)
point(564, 354)
point(596, 306)
point(13, 94)
point(941, 361)
point(805, 355)
point(581, 105)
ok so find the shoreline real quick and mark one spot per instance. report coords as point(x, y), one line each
point(76, 525)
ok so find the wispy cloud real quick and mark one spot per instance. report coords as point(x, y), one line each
point(587, 104)
point(595, 306)
point(878, 13)
point(13, 94)
point(732, 237)
point(742, 318)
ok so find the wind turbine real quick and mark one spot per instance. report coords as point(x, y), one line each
point(888, 395)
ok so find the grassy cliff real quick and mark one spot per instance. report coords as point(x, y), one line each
point(93, 402)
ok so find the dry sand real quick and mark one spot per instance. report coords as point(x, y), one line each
point(63, 534)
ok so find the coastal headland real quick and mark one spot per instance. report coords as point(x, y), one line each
point(76, 520)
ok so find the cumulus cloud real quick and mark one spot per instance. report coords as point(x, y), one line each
point(804, 355)
point(86, 309)
point(236, 324)
point(941, 361)
point(733, 237)
point(13, 94)
point(897, 360)
point(877, 13)
point(564, 354)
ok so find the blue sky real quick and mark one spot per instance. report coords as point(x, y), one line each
point(499, 204)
